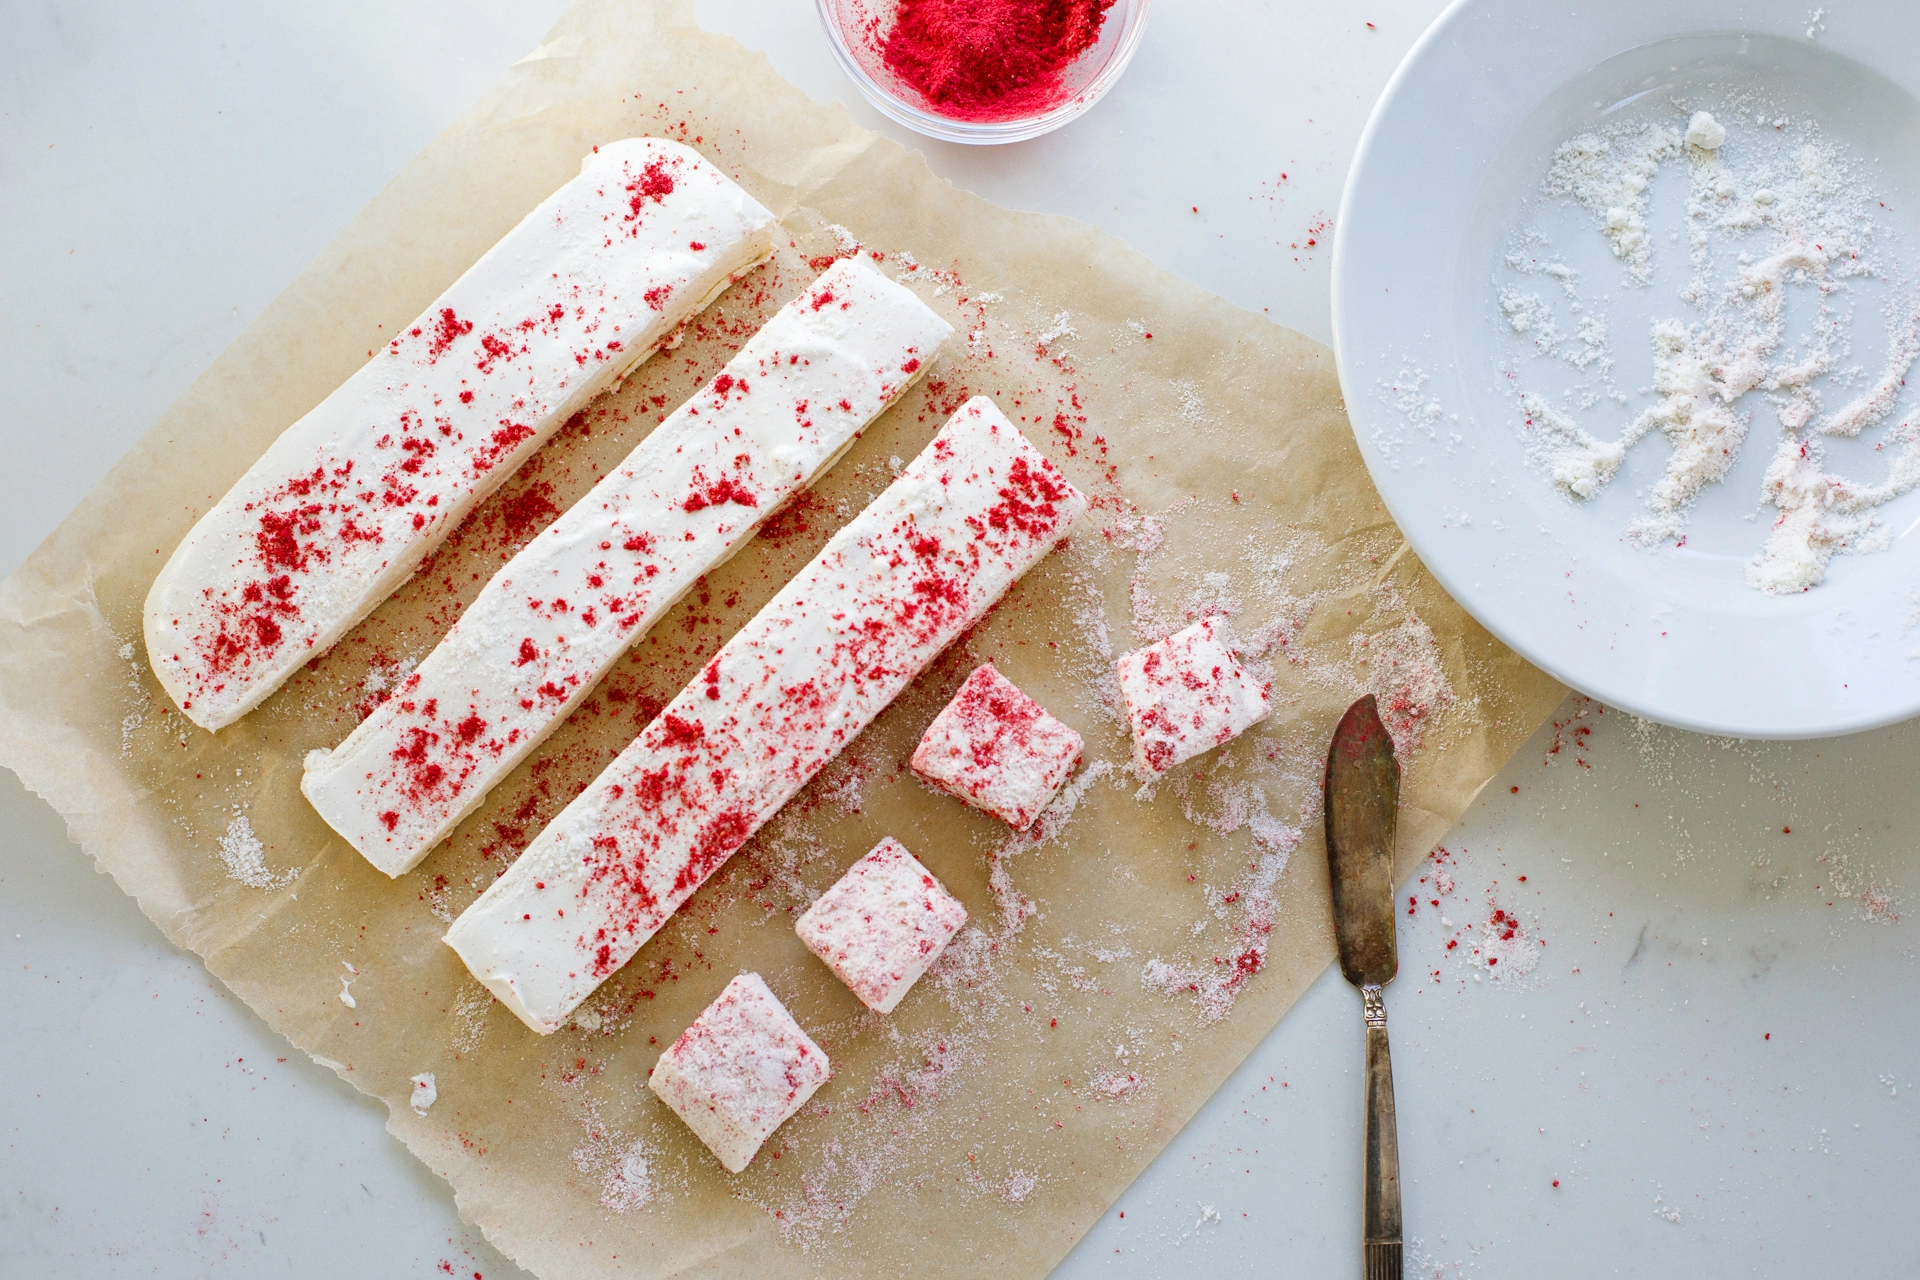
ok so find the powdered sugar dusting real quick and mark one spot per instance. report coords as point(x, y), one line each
point(1145, 535)
point(1422, 417)
point(1873, 893)
point(628, 1184)
point(1214, 981)
point(1778, 218)
point(965, 966)
point(1497, 943)
point(1116, 1085)
point(1015, 907)
point(470, 1018)
point(1505, 944)
point(134, 684)
point(1406, 673)
point(626, 1170)
point(1611, 173)
point(246, 857)
point(877, 1132)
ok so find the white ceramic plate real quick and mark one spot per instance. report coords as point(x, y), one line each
point(1450, 169)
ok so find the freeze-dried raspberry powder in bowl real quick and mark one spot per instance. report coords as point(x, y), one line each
point(983, 60)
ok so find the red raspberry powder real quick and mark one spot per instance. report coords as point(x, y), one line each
point(982, 60)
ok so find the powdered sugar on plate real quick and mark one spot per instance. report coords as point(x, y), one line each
point(1420, 418)
point(1785, 244)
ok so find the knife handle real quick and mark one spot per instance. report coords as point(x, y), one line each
point(1383, 1261)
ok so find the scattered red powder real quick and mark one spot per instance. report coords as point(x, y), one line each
point(528, 512)
point(984, 60)
point(714, 493)
point(654, 184)
point(799, 516)
point(448, 331)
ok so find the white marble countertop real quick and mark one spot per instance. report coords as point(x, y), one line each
point(1709, 1068)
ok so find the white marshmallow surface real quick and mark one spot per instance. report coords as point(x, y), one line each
point(882, 925)
point(739, 1071)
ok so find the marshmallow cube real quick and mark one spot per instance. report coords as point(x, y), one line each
point(882, 925)
point(997, 749)
point(1185, 695)
point(739, 1071)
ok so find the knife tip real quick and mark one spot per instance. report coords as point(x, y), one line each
point(1361, 726)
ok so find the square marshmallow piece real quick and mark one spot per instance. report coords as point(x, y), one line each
point(1185, 695)
point(997, 749)
point(739, 1071)
point(882, 924)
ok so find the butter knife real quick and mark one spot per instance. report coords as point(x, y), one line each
point(1362, 807)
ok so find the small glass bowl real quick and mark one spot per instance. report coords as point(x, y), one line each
point(1086, 79)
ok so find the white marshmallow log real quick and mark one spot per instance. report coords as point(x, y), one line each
point(353, 496)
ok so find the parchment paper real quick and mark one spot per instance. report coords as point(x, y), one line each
point(1116, 970)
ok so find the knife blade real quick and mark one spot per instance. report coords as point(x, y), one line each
point(1362, 806)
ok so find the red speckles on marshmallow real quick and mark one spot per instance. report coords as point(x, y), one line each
point(348, 501)
point(796, 684)
point(593, 581)
point(882, 924)
point(739, 1071)
point(997, 749)
point(1185, 695)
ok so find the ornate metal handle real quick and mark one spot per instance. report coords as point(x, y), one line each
point(1383, 1261)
